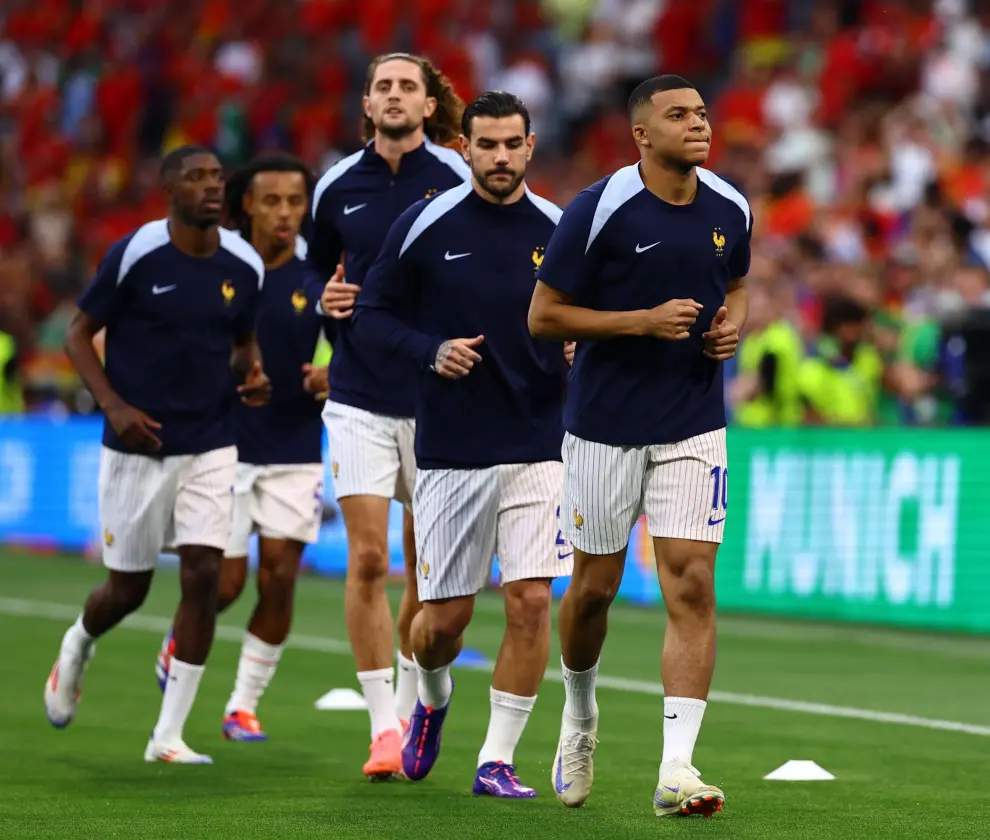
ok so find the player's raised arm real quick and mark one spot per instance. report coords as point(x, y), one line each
point(564, 282)
point(388, 297)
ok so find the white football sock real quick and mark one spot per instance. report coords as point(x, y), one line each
point(377, 688)
point(254, 672)
point(510, 712)
point(76, 640)
point(180, 694)
point(579, 695)
point(406, 687)
point(681, 725)
point(435, 687)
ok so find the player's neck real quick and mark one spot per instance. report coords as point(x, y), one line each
point(192, 240)
point(393, 148)
point(674, 185)
point(274, 253)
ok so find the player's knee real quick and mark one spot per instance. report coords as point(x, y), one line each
point(201, 578)
point(449, 619)
point(368, 563)
point(527, 607)
point(692, 587)
point(233, 577)
point(593, 587)
point(128, 591)
point(278, 582)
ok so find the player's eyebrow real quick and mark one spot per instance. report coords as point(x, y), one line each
point(517, 138)
point(671, 108)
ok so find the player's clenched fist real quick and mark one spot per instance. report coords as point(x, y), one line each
point(722, 339)
point(338, 297)
point(672, 320)
point(457, 356)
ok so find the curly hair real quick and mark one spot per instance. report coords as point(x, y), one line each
point(444, 126)
point(239, 182)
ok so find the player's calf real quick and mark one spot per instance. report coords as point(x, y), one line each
point(106, 606)
point(582, 623)
point(437, 636)
point(519, 670)
point(194, 628)
point(265, 638)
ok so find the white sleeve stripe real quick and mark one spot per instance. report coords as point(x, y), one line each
point(621, 187)
point(237, 246)
point(726, 190)
point(433, 211)
point(331, 175)
point(448, 156)
point(548, 208)
point(149, 237)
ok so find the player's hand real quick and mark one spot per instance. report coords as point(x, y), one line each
point(722, 339)
point(134, 428)
point(316, 381)
point(569, 351)
point(337, 300)
point(456, 357)
point(672, 321)
point(257, 387)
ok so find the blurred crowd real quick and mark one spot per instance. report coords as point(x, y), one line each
point(860, 132)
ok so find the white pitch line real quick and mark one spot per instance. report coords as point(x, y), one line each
point(228, 633)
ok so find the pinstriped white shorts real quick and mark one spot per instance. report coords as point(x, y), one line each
point(681, 487)
point(148, 503)
point(370, 454)
point(464, 517)
point(280, 501)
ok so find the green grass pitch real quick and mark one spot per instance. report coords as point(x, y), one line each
point(782, 691)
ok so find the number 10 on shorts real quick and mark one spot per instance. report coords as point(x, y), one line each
point(720, 494)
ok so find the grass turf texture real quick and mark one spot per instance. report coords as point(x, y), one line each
point(89, 781)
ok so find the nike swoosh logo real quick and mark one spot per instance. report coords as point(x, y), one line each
point(354, 209)
point(160, 290)
point(671, 717)
point(715, 521)
point(563, 555)
point(450, 256)
point(640, 250)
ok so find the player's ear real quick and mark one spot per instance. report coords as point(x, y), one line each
point(641, 136)
point(530, 145)
point(366, 106)
point(431, 107)
point(465, 144)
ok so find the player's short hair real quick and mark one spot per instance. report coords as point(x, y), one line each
point(172, 162)
point(443, 126)
point(239, 182)
point(643, 92)
point(494, 103)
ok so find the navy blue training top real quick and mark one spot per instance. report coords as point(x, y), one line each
point(171, 322)
point(288, 430)
point(354, 205)
point(459, 266)
point(619, 247)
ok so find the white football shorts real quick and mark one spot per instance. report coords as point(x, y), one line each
point(464, 517)
point(681, 487)
point(280, 501)
point(147, 503)
point(370, 454)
